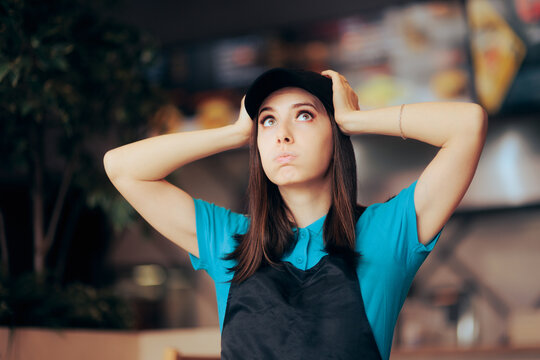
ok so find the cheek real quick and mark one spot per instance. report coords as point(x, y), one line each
point(263, 153)
point(325, 145)
point(325, 155)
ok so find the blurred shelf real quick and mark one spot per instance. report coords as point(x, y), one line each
point(482, 350)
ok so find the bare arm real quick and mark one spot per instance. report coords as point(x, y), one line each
point(138, 169)
point(458, 129)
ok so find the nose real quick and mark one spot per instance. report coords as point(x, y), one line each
point(284, 139)
point(284, 135)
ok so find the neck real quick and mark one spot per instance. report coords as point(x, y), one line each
point(309, 201)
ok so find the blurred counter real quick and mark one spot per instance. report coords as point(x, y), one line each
point(492, 353)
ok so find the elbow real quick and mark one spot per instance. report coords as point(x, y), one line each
point(109, 164)
point(481, 117)
point(478, 121)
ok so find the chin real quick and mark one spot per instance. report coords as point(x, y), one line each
point(286, 183)
point(292, 180)
point(279, 181)
point(295, 174)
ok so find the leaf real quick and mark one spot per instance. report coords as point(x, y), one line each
point(60, 63)
point(4, 68)
point(26, 107)
point(68, 48)
point(15, 78)
point(34, 42)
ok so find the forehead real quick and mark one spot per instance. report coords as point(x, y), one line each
point(292, 95)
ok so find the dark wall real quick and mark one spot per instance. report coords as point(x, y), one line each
point(174, 21)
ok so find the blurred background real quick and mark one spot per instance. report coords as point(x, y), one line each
point(78, 78)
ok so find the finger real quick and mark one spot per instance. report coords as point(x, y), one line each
point(336, 75)
point(337, 82)
point(331, 74)
point(356, 102)
point(328, 72)
point(337, 78)
point(344, 80)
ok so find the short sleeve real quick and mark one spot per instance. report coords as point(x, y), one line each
point(392, 255)
point(397, 217)
point(215, 226)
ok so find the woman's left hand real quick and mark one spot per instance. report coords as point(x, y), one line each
point(345, 99)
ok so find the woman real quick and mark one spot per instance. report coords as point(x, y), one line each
point(307, 273)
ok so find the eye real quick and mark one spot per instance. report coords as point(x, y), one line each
point(305, 116)
point(265, 120)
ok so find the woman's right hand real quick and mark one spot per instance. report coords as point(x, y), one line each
point(244, 124)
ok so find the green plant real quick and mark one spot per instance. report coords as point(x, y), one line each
point(68, 79)
point(67, 74)
point(29, 301)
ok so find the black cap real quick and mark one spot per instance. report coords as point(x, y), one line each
point(277, 78)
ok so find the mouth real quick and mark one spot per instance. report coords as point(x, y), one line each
point(285, 157)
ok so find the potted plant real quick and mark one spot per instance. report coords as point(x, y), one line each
point(68, 79)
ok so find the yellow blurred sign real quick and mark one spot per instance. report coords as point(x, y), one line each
point(497, 53)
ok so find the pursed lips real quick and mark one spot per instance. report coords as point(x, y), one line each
point(285, 157)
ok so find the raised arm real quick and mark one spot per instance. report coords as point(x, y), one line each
point(457, 128)
point(138, 170)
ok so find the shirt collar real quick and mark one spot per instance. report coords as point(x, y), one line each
point(315, 227)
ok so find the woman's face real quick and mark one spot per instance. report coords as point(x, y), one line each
point(294, 137)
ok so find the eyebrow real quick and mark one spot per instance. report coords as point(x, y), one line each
point(294, 107)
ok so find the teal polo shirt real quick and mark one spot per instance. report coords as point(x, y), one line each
point(386, 237)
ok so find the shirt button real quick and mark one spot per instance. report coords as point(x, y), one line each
point(302, 235)
point(299, 260)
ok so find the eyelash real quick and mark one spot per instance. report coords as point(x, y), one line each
point(299, 113)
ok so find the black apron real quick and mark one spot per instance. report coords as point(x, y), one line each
point(289, 313)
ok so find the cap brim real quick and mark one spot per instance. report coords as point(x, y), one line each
point(278, 78)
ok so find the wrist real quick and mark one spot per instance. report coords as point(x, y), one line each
point(239, 133)
point(350, 123)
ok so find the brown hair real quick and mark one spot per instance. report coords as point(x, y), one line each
point(270, 233)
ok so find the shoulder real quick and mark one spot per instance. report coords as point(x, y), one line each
point(395, 207)
point(215, 227)
point(389, 230)
point(210, 215)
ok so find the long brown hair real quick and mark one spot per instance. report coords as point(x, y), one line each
point(270, 233)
